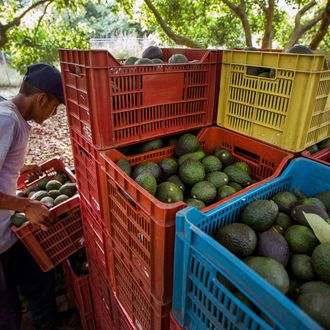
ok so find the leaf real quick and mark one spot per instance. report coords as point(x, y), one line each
point(320, 227)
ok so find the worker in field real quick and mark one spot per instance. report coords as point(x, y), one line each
point(38, 98)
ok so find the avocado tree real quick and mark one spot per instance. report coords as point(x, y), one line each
point(236, 22)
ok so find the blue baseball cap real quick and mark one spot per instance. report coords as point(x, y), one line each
point(46, 78)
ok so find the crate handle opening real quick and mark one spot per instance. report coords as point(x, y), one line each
point(82, 150)
point(76, 70)
point(261, 72)
point(247, 154)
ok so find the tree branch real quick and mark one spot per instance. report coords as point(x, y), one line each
point(240, 12)
point(40, 18)
point(323, 29)
point(269, 15)
point(176, 38)
point(299, 29)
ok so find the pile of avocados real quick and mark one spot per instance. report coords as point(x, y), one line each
point(49, 191)
point(154, 55)
point(319, 146)
point(192, 176)
point(274, 238)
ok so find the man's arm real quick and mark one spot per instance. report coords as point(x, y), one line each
point(37, 213)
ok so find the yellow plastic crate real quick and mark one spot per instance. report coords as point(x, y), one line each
point(291, 110)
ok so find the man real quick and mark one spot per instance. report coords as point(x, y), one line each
point(39, 96)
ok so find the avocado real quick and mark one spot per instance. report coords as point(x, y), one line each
point(176, 180)
point(218, 179)
point(60, 199)
point(297, 213)
point(142, 61)
point(195, 203)
point(273, 245)
point(191, 171)
point(31, 189)
point(285, 201)
point(148, 182)
point(124, 165)
point(298, 193)
point(178, 58)
point(53, 185)
point(157, 61)
point(20, 193)
point(325, 143)
point(187, 143)
point(317, 306)
point(152, 52)
point(238, 175)
point(315, 286)
point(42, 183)
point(260, 214)
point(38, 195)
point(204, 191)
point(131, 60)
point(312, 201)
point(235, 185)
point(324, 197)
point(293, 289)
point(225, 191)
point(48, 201)
point(243, 166)
point(321, 261)
point(313, 149)
point(150, 167)
point(271, 270)
point(54, 193)
point(246, 301)
point(264, 74)
point(283, 220)
point(301, 268)
point(211, 164)
point(196, 155)
point(17, 219)
point(68, 189)
point(61, 177)
point(168, 192)
point(151, 145)
point(238, 238)
point(301, 239)
point(299, 49)
point(169, 167)
point(224, 155)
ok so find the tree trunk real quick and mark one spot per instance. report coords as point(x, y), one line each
point(176, 38)
point(323, 29)
point(269, 15)
point(240, 12)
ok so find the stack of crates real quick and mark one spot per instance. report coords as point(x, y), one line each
point(111, 105)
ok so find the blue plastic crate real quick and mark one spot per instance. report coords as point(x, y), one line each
point(200, 301)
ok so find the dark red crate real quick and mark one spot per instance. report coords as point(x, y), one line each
point(142, 229)
point(64, 238)
point(87, 166)
point(123, 322)
point(88, 322)
point(96, 237)
point(322, 156)
point(174, 325)
point(144, 311)
point(114, 105)
point(79, 288)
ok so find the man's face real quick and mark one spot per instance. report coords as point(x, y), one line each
point(45, 107)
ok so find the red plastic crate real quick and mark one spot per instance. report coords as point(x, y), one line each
point(104, 318)
point(49, 168)
point(141, 307)
point(322, 156)
point(88, 322)
point(87, 165)
point(65, 237)
point(123, 322)
point(114, 105)
point(79, 288)
point(96, 236)
point(174, 325)
point(142, 230)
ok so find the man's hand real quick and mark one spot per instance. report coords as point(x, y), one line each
point(39, 215)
